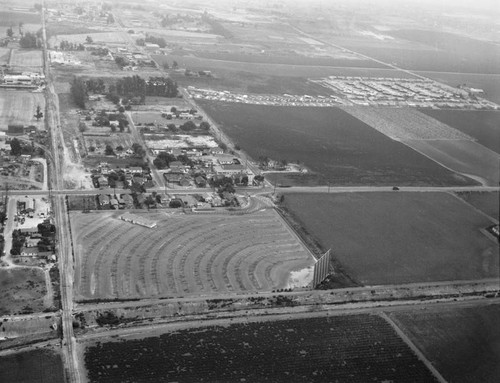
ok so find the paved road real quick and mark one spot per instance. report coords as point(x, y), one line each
point(265, 190)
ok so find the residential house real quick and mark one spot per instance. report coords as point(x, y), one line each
point(103, 200)
point(102, 181)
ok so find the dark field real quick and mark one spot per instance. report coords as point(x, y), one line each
point(462, 343)
point(440, 51)
point(32, 366)
point(330, 142)
point(399, 237)
point(481, 125)
point(81, 202)
point(358, 348)
point(487, 202)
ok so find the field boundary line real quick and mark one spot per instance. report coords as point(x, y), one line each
point(293, 233)
point(414, 348)
point(482, 181)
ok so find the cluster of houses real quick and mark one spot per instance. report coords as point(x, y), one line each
point(380, 91)
point(205, 200)
point(206, 165)
point(104, 176)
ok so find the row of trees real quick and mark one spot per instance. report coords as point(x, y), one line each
point(69, 46)
point(153, 40)
point(131, 87)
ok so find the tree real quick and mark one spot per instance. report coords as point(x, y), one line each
point(204, 125)
point(10, 32)
point(15, 147)
point(188, 126)
point(175, 203)
point(92, 149)
point(175, 65)
point(113, 127)
point(79, 92)
point(173, 109)
point(29, 40)
point(138, 149)
point(223, 146)
point(166, 66)
point(82, 127)
point(109, 150)
point(119, 148)
point(39, 113)
point(89, 40)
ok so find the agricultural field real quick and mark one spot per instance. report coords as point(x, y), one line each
point(490, 83)
point(347, 348)
point(41, 365)
point(18, 330)
point(26, 59)
point(289, 69)
point(405, 123)
point(481, 125)
point(329, 141)
point(462, 156)
point(9, 18)
point(4, 55)
point(487, 202)
point(19, 107)
point(399, 237)
point(442, 143)
point(461, 342)
point(23, 290)
point(428, 50)
point(97, 37)
point(183, 254)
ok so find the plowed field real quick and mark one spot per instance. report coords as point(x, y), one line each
point(351, 348)
point(183, 254)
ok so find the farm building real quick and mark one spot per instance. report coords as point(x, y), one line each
point(137, 220)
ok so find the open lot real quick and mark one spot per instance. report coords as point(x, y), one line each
point(481, 125)
point(27, 59)
point(462, 343)
point(22, 290)
point(329, 141)
point(357, 348)
point(42, 365)
point(393, 238)
point(19, 107)
point(183, 254)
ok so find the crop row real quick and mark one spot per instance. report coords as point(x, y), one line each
point(405, 124)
